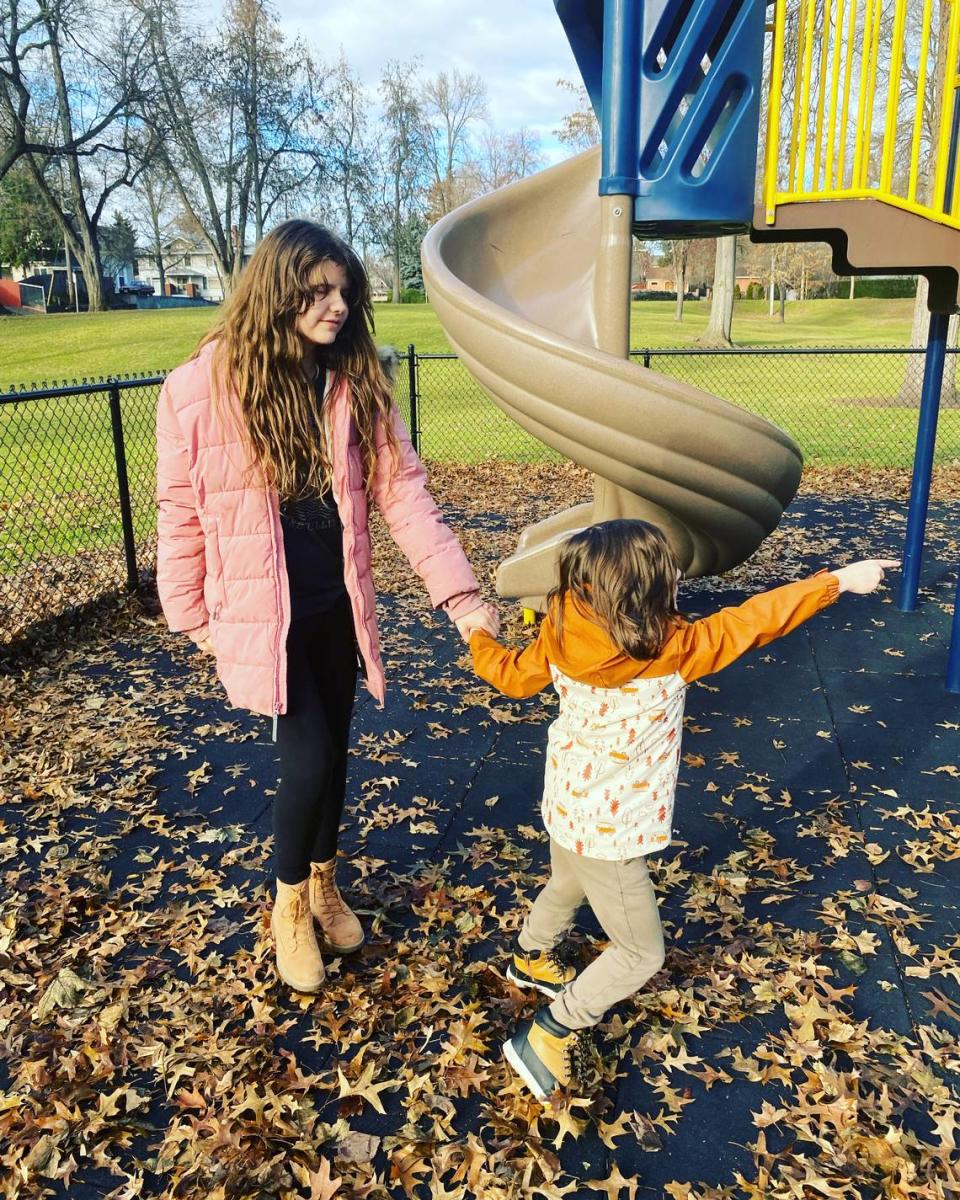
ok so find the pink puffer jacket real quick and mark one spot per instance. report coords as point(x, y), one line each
point(220, 557)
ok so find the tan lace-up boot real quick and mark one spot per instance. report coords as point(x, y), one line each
point(342, 932)
point(299, 964)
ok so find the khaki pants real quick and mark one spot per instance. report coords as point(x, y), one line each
point(623, 900)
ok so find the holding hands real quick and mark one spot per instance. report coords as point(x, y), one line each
point(864, 576)
point(485, 617)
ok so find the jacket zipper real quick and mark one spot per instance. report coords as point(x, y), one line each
point(278, 648)
point(345, 477)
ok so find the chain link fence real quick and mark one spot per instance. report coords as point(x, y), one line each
point(77, 463)
point(842, 405)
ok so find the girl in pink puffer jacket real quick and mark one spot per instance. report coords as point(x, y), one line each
point(271, 442)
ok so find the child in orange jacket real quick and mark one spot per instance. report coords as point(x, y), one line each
point(620, 656)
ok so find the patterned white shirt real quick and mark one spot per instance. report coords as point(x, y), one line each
point(612, 761)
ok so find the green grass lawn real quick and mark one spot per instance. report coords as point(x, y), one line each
point(34, 350)
point(58, 490)
point(68, 346)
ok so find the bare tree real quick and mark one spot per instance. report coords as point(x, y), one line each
point(690, 259)
point(232, 113)
point(498, 159)
point(580, 129)
point(404, 157)
point(29, 30)
point(450, 103)
point(270, 81)
point(87, 54)
point(787, 266)
point(641, 261)
point(190, 118)
point(154, 207)
point(507, 157)
point(342, 111)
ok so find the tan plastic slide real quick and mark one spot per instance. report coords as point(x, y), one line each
point(512, 278)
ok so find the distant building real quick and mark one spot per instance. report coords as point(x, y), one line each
point(656, 279)
point(189, 269)
point(662, 279)
point(58, 262)
point(744, 282)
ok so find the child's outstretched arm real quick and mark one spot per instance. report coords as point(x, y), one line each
point(706, 646)
point(516, 673)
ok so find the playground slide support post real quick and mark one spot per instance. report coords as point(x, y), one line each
point(923, 461)
point(612, 312)
point(612, 280)
point(612, 308)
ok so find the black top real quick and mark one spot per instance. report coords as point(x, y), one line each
point(313, 547)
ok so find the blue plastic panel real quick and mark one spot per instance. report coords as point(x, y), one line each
point(676, 87)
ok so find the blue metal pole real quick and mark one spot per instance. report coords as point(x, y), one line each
point(953, 661)
point(923, 460)
point(619, 117)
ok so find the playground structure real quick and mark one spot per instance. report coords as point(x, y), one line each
point(532, 282)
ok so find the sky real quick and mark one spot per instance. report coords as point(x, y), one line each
point(517, 46)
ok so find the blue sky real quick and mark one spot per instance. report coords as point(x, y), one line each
point(517, 46)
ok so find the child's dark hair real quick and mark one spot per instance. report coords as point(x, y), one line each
point(625, 574)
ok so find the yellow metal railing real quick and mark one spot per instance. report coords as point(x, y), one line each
point(853, 84)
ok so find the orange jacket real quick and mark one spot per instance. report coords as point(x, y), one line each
point(613, 752)
point(692, 649)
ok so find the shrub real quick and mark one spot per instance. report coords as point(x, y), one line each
point(412, 296)
point(899, 287)
point(664, 296)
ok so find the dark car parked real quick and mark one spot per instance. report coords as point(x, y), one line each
point(134, 287)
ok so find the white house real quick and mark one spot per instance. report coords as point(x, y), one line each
point(189, 269)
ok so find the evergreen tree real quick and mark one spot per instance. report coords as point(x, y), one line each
point(118, 244)
point(28, 228)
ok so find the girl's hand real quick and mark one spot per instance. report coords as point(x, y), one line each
point(865, 576)
point(201, 639)
point(485, 617)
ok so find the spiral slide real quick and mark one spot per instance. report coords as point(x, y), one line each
point(511, 277)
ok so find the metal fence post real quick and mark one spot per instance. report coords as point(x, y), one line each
point(414, 398)
point(123, 486)
point(646, 359)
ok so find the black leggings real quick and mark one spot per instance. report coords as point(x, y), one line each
point(312, 740)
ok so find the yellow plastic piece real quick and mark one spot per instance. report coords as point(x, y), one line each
point(921, 100)
point(529, 617)
point(846, 100)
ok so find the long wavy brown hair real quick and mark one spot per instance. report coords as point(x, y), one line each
point(622, 574)
point(261, 358)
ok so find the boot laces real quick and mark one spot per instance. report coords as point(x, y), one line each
point(330, 897)
point(297, 910)
point(561, 956)
point(579, 1054)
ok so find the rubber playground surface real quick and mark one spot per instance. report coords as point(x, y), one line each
point(801, 1040)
